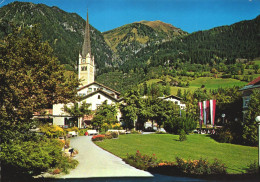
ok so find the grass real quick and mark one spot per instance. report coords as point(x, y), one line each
point(168, 147)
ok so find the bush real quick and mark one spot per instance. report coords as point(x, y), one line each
point(252, 168)
point(200, 167)
point(140, 161)
point(224, 136)
point(98, 138)
point(56, 171)
point(182, 136)
point(174, 125)
point(33, 157)
point(133, 131)
point(52, 131)
point(114, 134)
point(108, 135)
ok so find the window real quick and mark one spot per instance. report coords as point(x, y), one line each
point(98, 97)
point(98, 105)
point(84, 68)
point(95, 89)
point(246, 101)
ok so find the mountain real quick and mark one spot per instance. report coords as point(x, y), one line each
point(224, 43)
point(64, 31)
point(129, 39)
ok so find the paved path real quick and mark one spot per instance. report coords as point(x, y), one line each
point(96, 162)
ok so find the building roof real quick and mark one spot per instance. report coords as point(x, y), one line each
point(103, 93)
point(86, 48)
point(81, 88)
point(252, 85)
point(173, 96)
point(255, 81)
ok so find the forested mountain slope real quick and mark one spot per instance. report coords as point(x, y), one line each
point(221, 44)
point(129, 39)
point(64, 31)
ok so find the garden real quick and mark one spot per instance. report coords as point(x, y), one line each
point(168, 149)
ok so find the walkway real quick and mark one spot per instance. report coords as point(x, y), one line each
point(96, 162)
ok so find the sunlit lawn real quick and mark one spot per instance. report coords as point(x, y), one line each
point(168, 147)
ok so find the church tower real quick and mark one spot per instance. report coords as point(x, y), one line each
point(86, 67)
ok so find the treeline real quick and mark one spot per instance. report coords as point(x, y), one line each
point(228, 43)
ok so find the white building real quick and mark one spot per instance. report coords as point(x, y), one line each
point(91, 92)
point(176, 100)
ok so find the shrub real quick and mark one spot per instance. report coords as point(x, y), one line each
point(182, 136)
point(98, 138)
point(140, 161)
point(108, 135)
point(114, 134)
point(33, 157)
point(224, 136)
point(82, 131)
point(200, 167)
point(56, 171)
point(174, 125)
point(252, 168)
point(135, 132)
point(52, 131)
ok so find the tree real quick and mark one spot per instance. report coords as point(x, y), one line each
point(31, 79)
point(78, 111)
point(131, 108)
point(105, 114)
point(250, 125)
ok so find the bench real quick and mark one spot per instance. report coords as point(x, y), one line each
point(92, 132)
point(73, 133)
point(118, 131)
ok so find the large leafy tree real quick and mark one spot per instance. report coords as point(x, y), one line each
point(31, 79)
point(105, 114)
point(78, 110)
point(131, 108)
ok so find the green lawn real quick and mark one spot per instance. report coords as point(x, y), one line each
point(214, 83)
point(167, 147)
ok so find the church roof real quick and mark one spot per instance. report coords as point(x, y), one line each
point(86, 48)
point(103, 93)
point(85, 86)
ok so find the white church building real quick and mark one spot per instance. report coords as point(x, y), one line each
point(91, 92)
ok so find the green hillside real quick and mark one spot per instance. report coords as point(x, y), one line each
point(64, 31)
point(129, 39)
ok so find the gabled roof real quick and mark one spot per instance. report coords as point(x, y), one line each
point(83, 87)
point(101, 92)
point(175, 97)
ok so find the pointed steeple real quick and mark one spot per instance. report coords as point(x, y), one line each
point(86, 45)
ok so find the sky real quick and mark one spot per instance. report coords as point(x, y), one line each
point(189, 15)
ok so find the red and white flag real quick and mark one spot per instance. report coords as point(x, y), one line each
point(212, 111)
point(205, 112)
point(201, 112)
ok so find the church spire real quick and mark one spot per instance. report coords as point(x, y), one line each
point(86, 49)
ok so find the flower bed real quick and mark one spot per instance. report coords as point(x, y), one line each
point(98, 138)
point(179, 167)
point(141, 161)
